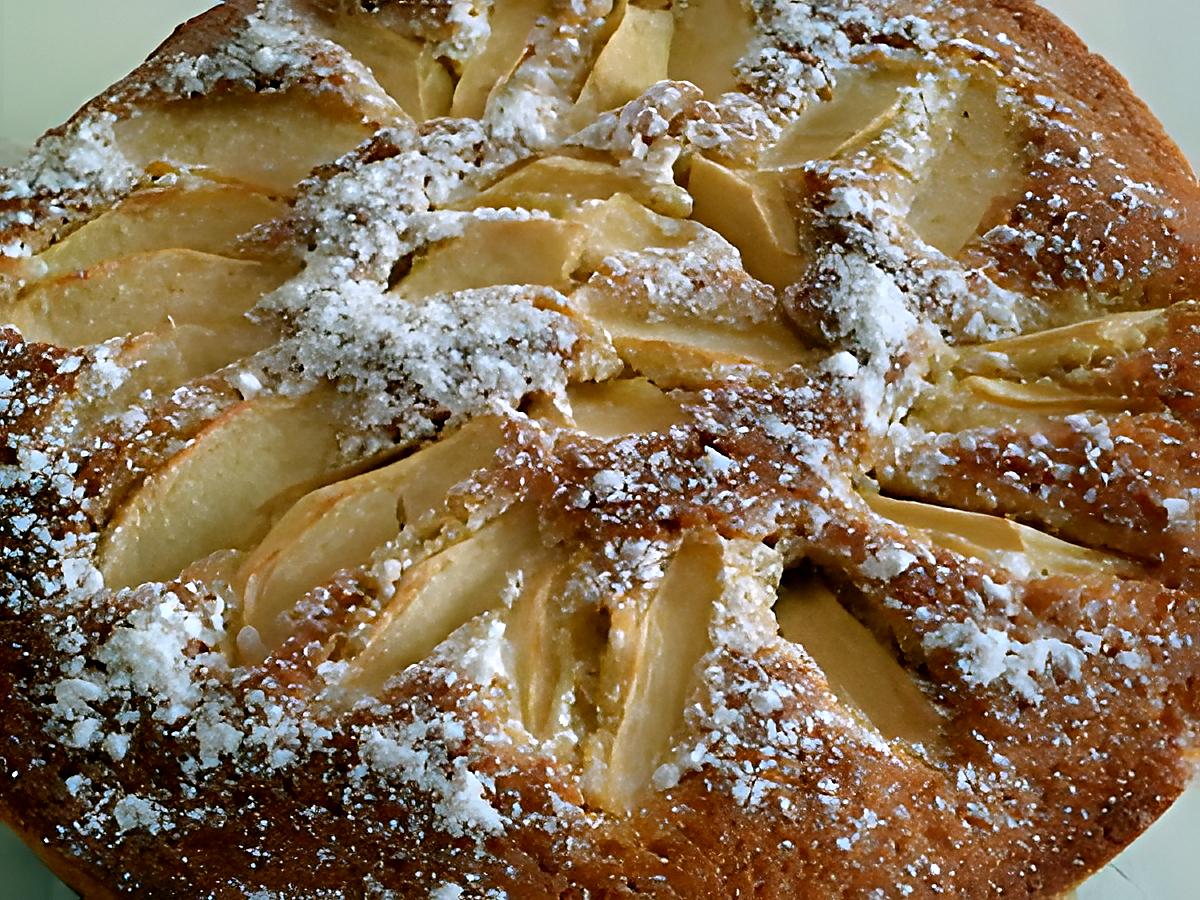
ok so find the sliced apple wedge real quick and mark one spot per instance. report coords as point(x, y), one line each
point(861, 95)
point(157, 362)
point(447, 590)
point(194, 215)
point(140, 293)
point(634, 58)
point(978, 402)
point(678, 351)
point(216, 493)
point(621, 224)
point(750, 210)
point(1060, 351)
point(622, 407)
point(979, 170)
point(405, 68)
point(995, 540)
point(860, 671)
point(500, 251)
point(511, 24)
point(654, 655)
point(710, 37)
point(339, 526)
point(268, 140)
point(539, 631)
point(560, 184)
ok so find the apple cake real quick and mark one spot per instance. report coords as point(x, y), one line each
point(596, 449)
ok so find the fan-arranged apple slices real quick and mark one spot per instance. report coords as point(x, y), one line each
point(444, 591)
point(140, 293)
point(997, 541)
point(218, 493)
point(1052, 405)
point(340, 526)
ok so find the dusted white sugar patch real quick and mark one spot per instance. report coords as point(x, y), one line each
point(887, 562)
point(137, 813)
point(468, 352)
point(991, 655)
point(470, 28)
point(83, 162)
point(422, 754)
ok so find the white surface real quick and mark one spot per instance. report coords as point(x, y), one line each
point(54, 54)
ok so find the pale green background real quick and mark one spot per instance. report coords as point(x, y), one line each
point(54, 54)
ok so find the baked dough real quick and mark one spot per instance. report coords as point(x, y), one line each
point(572, 448)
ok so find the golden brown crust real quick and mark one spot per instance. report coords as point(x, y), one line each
point(574, 654)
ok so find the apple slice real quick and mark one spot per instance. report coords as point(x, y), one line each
point(860, 671)
point(511, 23)
point(621, 224)
point(750, 211)
point(268, 140)
point(978, 173)
point(157, 362)
point(339, 526)
point(710, 37)
point(613, 409)
point(196, 215)
point(1058, 351)
point(500, 251)
point(634, 58)
point(560, 184)
point(405, 68)
point(860, 96)
point(447, 590)
point(654, 656)
point(678, 351)
point(995, 540)
point(216, 494)
point(144, 292)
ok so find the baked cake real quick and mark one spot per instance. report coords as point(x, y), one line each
point(599, 448)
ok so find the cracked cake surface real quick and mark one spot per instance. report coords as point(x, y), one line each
point(599, 448)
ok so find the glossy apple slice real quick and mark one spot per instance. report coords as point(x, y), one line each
point(339, 526)
point(447, 590)
point(196, 215)
point(621, 407)
point(653, 655)
point(751, 211)
point(860, 671)
point(1058, 352)
point(268, 140)
point(976, 176)
point(144, 292)
point(680, 350)
point(500, 251)
point(621, 224)
point(217, 493)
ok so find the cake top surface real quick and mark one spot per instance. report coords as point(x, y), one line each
point(470, 448)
